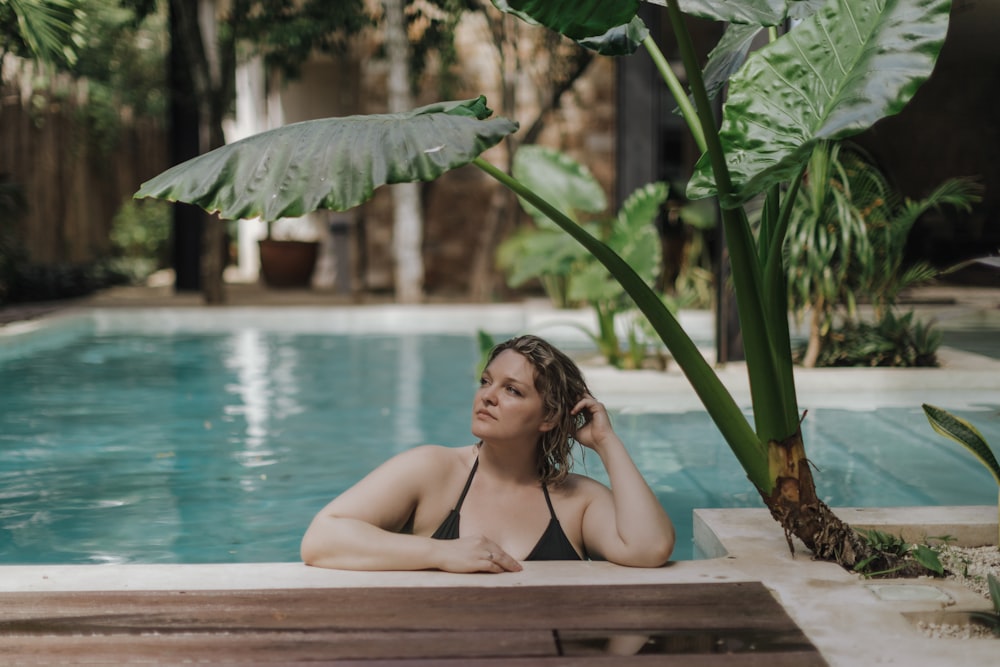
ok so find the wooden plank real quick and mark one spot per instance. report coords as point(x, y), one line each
point(689, 606)
point(122, 651)
point(283, 647)
point(671, 642)
point(520, 625)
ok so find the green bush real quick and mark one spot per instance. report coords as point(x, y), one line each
point(42, 282)
point(891, 341)
point(140, 238)
point(13, 206)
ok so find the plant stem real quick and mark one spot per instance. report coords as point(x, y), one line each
point(677, 90)
point(774, 417)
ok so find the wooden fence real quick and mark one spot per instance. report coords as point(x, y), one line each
point(73, 187)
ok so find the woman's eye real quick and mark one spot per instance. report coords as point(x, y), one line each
point(513, 390)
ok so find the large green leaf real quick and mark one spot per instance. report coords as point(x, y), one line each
point(633, 236)
point(576, 19)
point(559, 180)
point(536, 253)
point(621, 40)
point(834, 75)
point(751, 12)
point(728, 55)
point(333, 163)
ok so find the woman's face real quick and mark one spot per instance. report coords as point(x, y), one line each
point(507, 405)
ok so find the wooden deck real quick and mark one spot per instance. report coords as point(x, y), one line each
point(666, 624)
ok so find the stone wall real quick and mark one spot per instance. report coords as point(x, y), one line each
point(455, 205)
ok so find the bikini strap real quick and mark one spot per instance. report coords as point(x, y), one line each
point(545, 490)
point(468, 483)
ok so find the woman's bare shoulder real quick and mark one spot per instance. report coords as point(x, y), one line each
point(434, 457)
point(575, 485)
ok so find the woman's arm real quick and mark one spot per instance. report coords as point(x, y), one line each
point(626, 524)
point(359, 530)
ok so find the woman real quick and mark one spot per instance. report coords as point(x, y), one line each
point(508, 498)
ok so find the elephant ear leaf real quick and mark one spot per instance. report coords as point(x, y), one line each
point(560, 180)
point(332, 163)
point(747, 12)
point(576, 19)
point(964, 433)
point(833, 75)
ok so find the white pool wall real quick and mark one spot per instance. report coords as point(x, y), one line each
point(964, 380)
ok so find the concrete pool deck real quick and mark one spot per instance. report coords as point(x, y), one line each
point(850, 621)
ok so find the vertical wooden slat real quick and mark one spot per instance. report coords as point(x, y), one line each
point(73, 190)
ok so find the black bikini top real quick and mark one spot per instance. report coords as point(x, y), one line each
point(552, 545)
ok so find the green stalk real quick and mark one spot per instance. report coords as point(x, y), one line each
point(776, 294)
point(719, 403)
point(768, 221)
point(677, 90)
point(772, 419)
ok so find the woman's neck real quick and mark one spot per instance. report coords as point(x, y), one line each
point(509, 463)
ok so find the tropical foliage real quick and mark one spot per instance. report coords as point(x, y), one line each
point(570, 274)
point(990, 619)
point(45, 29)
point(845, 65)
point(892, 556)
point(964, 433)
point(902, 341)
point(846, 244)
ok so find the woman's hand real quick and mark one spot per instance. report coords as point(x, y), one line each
point(475, 554)
point(595, 428)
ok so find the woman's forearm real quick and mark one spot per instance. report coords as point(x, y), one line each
point(351, 544)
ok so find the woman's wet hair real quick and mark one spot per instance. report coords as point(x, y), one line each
point(560, 383)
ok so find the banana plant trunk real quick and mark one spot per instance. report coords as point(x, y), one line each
point(794, 504)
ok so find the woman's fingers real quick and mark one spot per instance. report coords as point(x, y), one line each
point(479, 554)
point(596, 424)
point(502, 560)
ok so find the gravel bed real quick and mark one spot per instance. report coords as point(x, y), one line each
point(968, 566)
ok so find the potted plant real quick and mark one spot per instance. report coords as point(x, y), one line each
point(287, 262)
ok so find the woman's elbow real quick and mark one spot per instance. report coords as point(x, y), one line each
point(652, 554)
point(660, 555)
point(318, 548)
point(309, 551)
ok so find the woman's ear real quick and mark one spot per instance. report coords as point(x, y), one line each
point(548, 424)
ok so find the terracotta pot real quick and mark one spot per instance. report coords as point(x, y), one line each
point(287, 263)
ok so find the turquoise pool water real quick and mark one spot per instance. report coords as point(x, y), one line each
point(220, 447)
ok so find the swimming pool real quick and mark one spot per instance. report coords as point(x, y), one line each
point(183, 438)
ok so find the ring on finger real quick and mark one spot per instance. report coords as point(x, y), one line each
point(489, 556)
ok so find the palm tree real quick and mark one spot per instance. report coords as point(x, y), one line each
point(45, 30)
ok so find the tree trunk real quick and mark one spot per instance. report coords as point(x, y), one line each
point(407, 241)
point(212, 75)
point(815, 345)
point(795, 506)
